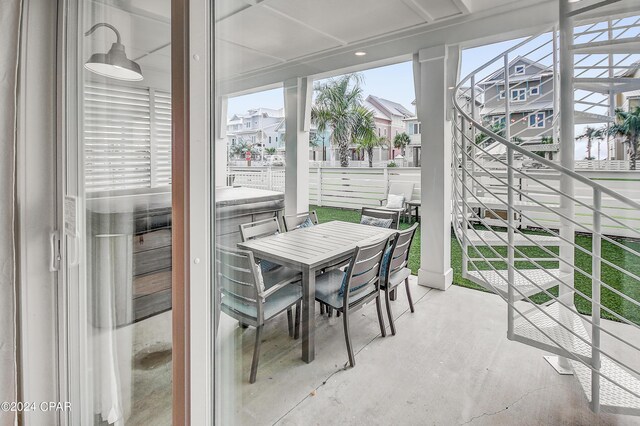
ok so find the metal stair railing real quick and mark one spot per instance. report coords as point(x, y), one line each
point(474, 181)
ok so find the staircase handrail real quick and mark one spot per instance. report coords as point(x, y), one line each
point(519, 149)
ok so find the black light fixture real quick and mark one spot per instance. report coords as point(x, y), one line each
point(115, 63)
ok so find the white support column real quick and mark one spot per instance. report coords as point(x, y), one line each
point(221, 148)
point(297, 107)
point(435, 70)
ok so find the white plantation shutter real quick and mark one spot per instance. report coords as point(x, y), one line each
point(125, 137)
point(162, 138)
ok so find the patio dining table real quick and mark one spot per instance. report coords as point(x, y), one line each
point(309, 250)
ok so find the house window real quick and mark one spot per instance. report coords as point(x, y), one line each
point(269, 139)
point(537, 120)
point(519, 69)
point(417, 128)
point(385, 132)
point(518, 95)
point(276, 139)
point(534, 90)
point(497, 119)
point(378, 131)
point(501, 94)
point(247, 124)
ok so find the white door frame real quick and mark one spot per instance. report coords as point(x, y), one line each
point(39, 212)
point(201, 213)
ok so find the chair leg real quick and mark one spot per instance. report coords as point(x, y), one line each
point(329, 311)
point(383, 331)
point(321, 308)
point(296, 334)
point(290, 321)
point(394, 295)
point(256, 355)
point(389, 313)
point(406, 284)
point(338, 314)
point(347, 338)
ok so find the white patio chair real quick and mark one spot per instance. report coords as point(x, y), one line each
point(404, 189)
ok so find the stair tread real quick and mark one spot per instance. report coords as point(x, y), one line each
point(543, 278)
point(608, 84)
point(500, 204)
point(582, 117)
point(562, 336)
point(625, 45)
point(612, 397)
point(480, 237)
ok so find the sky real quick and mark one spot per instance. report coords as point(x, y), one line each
point(395, 82)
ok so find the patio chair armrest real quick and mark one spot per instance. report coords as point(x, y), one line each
point(382, 201)
point(265, 294)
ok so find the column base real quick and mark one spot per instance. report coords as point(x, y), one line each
point(435, 280)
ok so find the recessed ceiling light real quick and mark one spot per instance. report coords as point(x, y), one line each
point(451, 87)
point(360, 53)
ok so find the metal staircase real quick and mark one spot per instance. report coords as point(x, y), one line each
point(517, 224)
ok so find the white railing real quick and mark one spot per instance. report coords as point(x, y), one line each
point(621, 165)
point(492, 208)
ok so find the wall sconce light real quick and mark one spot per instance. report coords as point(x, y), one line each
point(115, 63)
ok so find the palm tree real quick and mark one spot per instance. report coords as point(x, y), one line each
point(590, 134)
point(270, 150)
point(241, 147)
point(336, 106)
point(628, 125)
point(497, 127)
point(401, 141)
point(365, 133)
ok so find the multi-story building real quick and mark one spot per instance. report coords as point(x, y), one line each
point(531, 93)
point(389, 118)
point(258, 127)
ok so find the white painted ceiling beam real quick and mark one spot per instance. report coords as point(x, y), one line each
point(421, 11)
point(304, 24)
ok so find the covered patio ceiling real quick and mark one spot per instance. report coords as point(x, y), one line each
point(294, 38)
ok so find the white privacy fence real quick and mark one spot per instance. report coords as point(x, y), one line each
point(622, 217)
point(353, 188)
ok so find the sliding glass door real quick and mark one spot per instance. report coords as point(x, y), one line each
point(118, 216)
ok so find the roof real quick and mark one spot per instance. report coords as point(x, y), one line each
point(377, 113)
point(390, 107)
point(265, 112)
point(498, 75)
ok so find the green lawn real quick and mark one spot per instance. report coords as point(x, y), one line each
point(616, 279)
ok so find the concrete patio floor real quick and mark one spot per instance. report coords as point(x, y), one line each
point(450, 363)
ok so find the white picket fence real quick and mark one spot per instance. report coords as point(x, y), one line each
point(353, 188)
